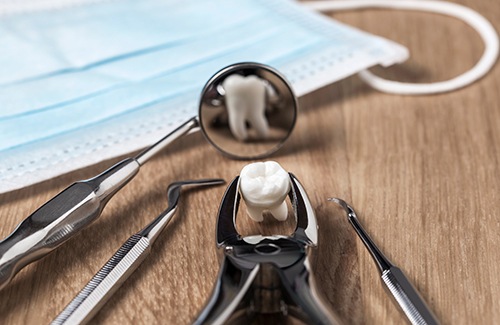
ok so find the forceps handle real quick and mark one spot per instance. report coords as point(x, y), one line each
point(111, 276)
point(61, 218)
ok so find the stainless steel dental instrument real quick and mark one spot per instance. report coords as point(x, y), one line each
point(124, 262)
point(81, 203)
point(404, 293)
point(265, 274)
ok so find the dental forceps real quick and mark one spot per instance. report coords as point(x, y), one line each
point(266, 274)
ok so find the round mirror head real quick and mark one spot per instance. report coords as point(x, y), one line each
point(247, 110)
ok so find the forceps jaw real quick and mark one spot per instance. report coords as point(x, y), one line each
point(226, 228)
point(306, 230)
point(307, 225)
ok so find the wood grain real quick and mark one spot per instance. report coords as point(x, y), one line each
point(422, 172)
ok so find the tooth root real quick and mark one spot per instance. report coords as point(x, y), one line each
point(237, 122)
point(245, 99)
point(255, 213)
point(259, 122)
point(281, 212)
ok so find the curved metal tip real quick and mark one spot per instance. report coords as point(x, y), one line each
point(174, 189)
point(152, 230)
point(382, 262)
point(348, 209)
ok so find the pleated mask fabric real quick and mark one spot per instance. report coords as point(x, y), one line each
point(81, 84)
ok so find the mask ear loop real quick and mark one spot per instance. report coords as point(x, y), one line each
point(469, 16)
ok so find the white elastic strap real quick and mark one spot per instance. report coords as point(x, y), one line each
point(469, 16)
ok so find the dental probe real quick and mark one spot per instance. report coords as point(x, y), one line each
point(404, 293)
point(124, 262)
point(72, 210)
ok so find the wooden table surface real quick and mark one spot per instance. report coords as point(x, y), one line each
point(423, 174)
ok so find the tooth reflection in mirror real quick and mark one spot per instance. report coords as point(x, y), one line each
point(245, 99)
point(247, 110)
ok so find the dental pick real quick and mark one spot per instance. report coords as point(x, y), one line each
point(124, 262)
point(405, 294)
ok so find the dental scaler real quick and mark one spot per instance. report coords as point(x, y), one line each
point(125, 261)
point(396, 282)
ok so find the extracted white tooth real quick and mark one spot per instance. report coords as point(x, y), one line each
point(265, 186)
point(280, 212)
point(255, 213)
point(245, 99)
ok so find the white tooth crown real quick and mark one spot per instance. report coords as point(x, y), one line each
point(265, 186)
point(245, 99)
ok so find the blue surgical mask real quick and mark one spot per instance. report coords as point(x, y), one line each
point(136, 68)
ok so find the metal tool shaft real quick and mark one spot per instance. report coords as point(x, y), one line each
point(102, 286)
point(404, 293)
point(407, 297)
point(151, 151)
point(72, 210)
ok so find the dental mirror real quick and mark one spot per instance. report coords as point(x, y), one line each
point(247, 110)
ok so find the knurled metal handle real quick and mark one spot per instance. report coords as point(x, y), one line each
point(95, 294)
